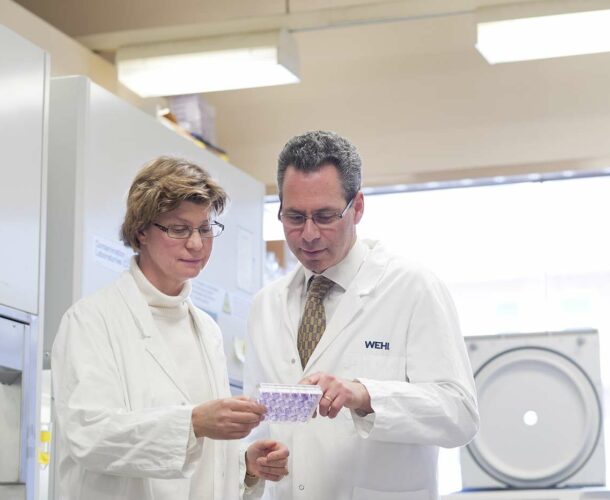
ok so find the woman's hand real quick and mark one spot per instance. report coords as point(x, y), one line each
point(267, 459)
point(230, 418)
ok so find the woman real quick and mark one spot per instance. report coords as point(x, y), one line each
point(140, 383)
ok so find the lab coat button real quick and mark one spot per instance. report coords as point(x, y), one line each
point(301, 487)
point(293, 361)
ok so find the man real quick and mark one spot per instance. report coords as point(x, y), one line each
point(377, 333)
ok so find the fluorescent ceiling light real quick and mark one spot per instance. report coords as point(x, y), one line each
point(209, 65)
point(584, 29)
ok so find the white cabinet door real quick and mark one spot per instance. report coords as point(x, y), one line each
point(23, 76)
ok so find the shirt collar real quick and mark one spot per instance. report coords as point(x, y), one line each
point(344, 271)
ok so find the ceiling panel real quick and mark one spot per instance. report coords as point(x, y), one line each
point(414, 114)
point(79, 18)
point(308, 5)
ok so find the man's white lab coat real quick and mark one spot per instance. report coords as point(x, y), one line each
point(123, 412)
point(395, 329)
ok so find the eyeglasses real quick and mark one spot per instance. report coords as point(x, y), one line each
point(183, 232)
point(323, 218)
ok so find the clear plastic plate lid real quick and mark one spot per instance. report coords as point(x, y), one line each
point(289, 403)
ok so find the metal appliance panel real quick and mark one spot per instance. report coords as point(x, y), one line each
point(12, 335)
point(12, 492)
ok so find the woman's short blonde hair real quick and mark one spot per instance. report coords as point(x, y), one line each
point(160, 186)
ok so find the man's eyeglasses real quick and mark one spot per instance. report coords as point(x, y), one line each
point(183, 232)
point(323, 218)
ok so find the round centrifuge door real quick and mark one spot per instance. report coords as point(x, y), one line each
point(540, 417)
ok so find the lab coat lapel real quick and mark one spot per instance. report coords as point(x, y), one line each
point(351, 304)
point(348, 308)
point(214, 356)
point(153, 343)
point(292, 282)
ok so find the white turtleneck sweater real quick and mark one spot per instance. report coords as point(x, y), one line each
point(178, 330)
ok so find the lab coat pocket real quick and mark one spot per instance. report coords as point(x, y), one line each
point(366, 494)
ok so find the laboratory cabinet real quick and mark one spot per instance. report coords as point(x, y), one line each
point(23, 80)
point(23, 122)
point(97, 143)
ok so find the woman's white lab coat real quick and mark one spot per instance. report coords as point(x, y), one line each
point(395, 329)
point(123, 412)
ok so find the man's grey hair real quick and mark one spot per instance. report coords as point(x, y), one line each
point(313, 150)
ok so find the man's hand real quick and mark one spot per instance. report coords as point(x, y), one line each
point(267, 459)
point(230, 418)
point(338, 393)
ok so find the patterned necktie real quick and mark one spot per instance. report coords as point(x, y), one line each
point(313, 322)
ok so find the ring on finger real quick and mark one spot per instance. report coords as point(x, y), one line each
point(328, 398)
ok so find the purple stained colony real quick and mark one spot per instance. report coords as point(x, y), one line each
point(288, 406)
